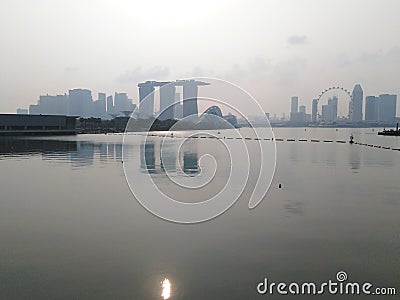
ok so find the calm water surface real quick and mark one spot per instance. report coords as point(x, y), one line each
point(71, 229)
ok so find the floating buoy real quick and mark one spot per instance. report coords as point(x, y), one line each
point(280, 185)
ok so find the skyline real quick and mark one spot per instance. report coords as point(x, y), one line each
point(106, 106)
point(113, 46)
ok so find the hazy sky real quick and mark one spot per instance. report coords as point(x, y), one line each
point(273, 49)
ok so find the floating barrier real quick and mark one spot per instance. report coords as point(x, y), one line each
point(271, 139)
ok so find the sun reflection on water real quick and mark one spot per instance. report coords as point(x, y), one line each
point(166, 289)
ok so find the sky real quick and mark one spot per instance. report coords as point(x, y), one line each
point(272, 49)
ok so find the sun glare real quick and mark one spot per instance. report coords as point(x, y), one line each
point(166, 289)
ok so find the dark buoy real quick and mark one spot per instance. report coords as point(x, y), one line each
point(280, 185)
point(351, 139)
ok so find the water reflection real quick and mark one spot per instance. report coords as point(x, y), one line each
point(157, 157)
point(28, 146)
point(294, 207)
point(78, 153)
point(354, 159)
point(147, 157)
point(166, 289)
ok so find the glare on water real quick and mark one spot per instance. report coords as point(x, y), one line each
point(166, 289)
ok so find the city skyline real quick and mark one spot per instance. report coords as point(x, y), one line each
point(369, 108)
point(80, 102)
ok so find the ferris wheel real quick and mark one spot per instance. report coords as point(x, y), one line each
point(342, 90)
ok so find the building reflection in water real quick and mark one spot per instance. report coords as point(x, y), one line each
point(158, 157)
point(78, 153)
point(147, 157)
point(190, 163)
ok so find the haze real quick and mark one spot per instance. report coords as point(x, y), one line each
point(273, 49)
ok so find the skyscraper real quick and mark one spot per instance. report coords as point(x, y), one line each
point(294, 105)
point(329, 111)
point(101, 97)
point(356, 105)
point(110, 104)
point(302, 109)
point(333, 103)
point(178, 107)
point(387, 107)
point(80, 102)
point(100, 106)
point(121, 102)
point(190, 91)
point(146, 99)
point(294, 108)
point(326, 113)
point(167, 99)
point(315, 110)
point(371, 108)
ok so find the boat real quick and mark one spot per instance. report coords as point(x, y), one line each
point(390, 132)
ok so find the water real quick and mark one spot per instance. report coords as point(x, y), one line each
point(70, 228)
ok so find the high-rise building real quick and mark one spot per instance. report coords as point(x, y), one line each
point(110, 105)
point(329, 111)
point(387, 107)
point(356, 104)
point(333, 104)
point(101, 97)
point(80, 102)
point(325, 112)
point(51, 105)
point(121, 102)
point(371, 108)
point(294, 108)
point(190, 90)
point(146, 99)
point(314, 117)
point(167, 99)
point(302, 109)
point(100, 106)
point(178, 107)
